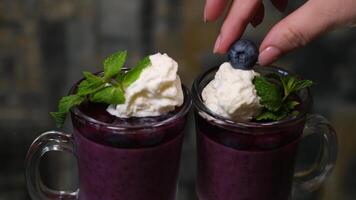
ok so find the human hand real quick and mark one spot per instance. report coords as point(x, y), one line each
point(297, 29)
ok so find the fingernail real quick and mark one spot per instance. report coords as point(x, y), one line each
point(217, 44)
point(205, 20)
point(269, 55)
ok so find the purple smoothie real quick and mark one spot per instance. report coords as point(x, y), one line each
point(233, 165)
point(128, 159)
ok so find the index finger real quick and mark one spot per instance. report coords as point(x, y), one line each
point(213, 9)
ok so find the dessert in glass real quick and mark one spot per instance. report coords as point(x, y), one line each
point(124, 151)
point(246, 142)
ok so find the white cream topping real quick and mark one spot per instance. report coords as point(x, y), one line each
point(232, 94)
point(157, 91)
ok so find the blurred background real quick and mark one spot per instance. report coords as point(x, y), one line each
point(46, 44)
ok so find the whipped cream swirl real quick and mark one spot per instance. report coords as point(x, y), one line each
point(232, 94)
point(157, 91)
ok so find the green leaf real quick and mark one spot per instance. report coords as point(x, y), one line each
point(91, 77)
point(65, 104)
point(266, 116)
point(91, 84)
point(135, 72)
point(291, 83)
point(301, 84)
point(59, 118)
point(269, 93)
point(113, 64)
point(83, 88)
point(108, 95)
point(291, 104)
point(278, 105)
point(120, 78)
point(86, 87)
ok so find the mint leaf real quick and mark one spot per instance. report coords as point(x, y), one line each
point(301, 84)
point(86, 88)
point(113, 64)
point(292, 84)
point(267, 115)
point(120, 78)
point(291, 81)
point(282, 112)
point(90, 85)
point(91, 77)
point(135, 72)
point(269, 93)
point(277, 105)
point(291, 104)
point(65, 104)
point(109, 95)
point(284, 81)
point(59, 118)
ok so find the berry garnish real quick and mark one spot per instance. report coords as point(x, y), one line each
point(243, 54)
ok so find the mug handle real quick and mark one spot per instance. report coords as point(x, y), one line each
point(46, 142)
point(310, 179)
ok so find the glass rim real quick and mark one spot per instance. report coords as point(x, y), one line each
point(219, 120)
point(183, 110)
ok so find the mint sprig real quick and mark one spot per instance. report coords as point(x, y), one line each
point(108, 89)
point(276, 98)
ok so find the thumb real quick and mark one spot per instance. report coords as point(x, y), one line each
point(296, 30)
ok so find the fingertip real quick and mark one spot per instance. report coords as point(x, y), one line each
point(217, 44)
point(205, 17)
point(269, 55)
point(226, 39)
point(238, 17)
point(218, 49)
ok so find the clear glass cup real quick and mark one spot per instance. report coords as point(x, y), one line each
point(115, 160)
point(251, 160)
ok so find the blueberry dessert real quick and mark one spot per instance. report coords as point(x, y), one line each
point(128, 129)
point(248, 128)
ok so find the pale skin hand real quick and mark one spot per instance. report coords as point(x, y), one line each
point(309, 21)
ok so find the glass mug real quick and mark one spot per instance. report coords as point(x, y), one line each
point(115, 161)
point(251, 160)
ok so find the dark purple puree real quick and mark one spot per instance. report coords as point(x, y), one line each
point(129, 163)
point(137, 138)
point(246, 163)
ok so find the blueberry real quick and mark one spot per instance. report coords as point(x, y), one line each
point(243, 54)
